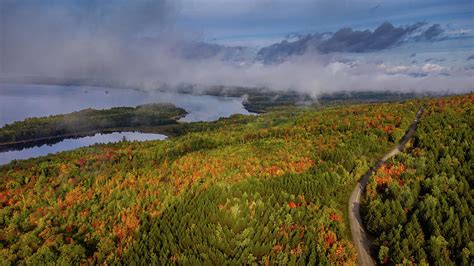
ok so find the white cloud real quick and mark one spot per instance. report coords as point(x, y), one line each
point(459, 32)
point(432, 68)
point(79, 53)
point(411, 69)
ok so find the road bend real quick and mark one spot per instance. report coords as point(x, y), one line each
point(362, 240)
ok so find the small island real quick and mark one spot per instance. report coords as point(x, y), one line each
point(155, 118)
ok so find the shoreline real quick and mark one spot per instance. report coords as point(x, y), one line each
point(50, 140)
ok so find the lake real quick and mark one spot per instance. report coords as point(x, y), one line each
point(19, 101)
point(70, 144)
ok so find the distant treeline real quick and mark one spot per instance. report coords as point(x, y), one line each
point(90, 120)
point(256, 99)
point(259, 100)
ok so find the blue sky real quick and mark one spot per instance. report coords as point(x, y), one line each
point(246, 20)
point(105, 38)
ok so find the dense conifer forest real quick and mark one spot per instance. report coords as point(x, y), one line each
point(91, 120)
point(419, 204)
point(267, 189)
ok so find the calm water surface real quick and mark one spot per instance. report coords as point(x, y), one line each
point(18, 102)
point(70, 144)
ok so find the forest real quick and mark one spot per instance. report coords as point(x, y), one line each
point(419, 204)
point(90, 121)
point(266, 189)
point(261, 99)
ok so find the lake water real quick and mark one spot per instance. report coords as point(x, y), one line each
point(70, 144)
point(18, 102)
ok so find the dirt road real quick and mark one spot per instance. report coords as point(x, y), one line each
point(360, 237)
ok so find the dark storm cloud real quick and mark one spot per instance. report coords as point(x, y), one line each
point(136, 43)
point(435, 60)
point(344, 40)
point(431, 33)
point(348, 40)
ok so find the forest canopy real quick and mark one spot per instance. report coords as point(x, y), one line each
point(419, 204)
point(260, 189)
point(91, 120)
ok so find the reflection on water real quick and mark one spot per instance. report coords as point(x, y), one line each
point(18, 102)
point(70, 144)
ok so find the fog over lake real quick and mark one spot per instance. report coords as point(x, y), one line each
point(18, 102)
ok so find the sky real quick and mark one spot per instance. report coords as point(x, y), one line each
point(403, 45)
point(244, 21)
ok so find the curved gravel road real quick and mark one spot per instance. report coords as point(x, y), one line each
point(361, 238)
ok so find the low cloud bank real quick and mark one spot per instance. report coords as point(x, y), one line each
point(137, 43)
point(316, 74)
